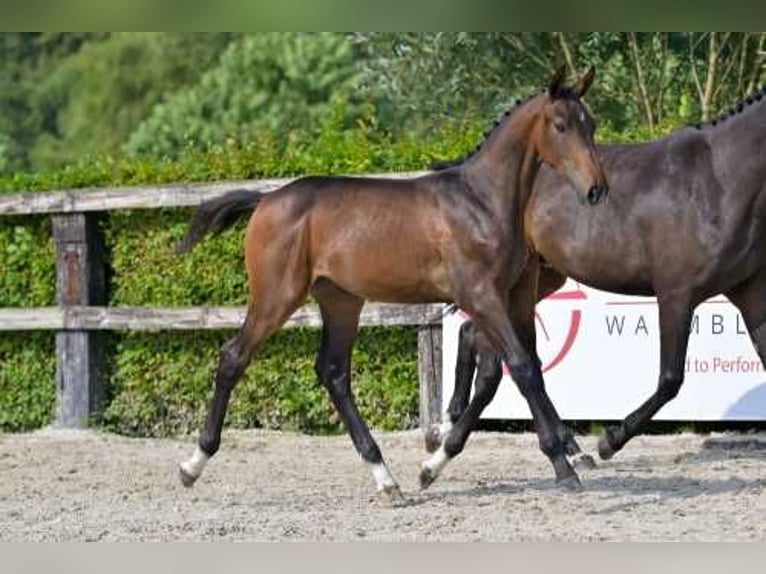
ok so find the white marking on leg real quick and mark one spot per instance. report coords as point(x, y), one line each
point(382, 476)
point(444, 429)
point(575, 457)
point(437, 462)
point(193, 466)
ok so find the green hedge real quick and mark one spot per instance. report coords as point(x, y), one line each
point(27, 365)
point(161, 382)
point(27, 373)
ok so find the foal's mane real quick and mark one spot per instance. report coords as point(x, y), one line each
point(736, 109)
point(441, 165)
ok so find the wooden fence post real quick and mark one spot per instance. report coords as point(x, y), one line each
point(80, 280)
point(430, 374)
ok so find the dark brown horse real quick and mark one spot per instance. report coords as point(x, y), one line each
point(454, 236)
point(686, 221)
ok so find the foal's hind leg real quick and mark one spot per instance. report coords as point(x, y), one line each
point(340, 318)
point(260, 323)
point(675, 312)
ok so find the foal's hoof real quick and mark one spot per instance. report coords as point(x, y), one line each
point(393, 496)
point(582, 461)
point(605, 448)
point(569, 484)
point(187, 479)
point(426, 477)
point(433, 439)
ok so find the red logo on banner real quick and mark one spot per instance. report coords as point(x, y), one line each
point(562, 345)
point(575, 317)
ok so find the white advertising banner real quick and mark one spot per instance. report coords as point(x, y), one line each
point(600, 355)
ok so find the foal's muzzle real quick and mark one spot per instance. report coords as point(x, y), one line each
point(597, 193)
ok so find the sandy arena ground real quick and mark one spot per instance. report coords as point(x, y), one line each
point(70, 485)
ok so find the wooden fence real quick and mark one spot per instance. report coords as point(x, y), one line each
point(82, 314)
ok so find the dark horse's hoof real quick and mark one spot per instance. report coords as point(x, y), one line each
point(605, 448)
point(433, 439)
point(569, 484)
point(393, 496)
point(186, 479)
point(426, 477)
point(582, 461)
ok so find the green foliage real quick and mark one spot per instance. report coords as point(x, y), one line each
point(64, 96)
point(162, 383)
point(27, 273)
point(424, 80)
point(97, 97)
point(269, 81)
point(329, 149)
point(27, 361)
point(26, 60)
point(27, 371)
point(146, 269)
point(6, 146)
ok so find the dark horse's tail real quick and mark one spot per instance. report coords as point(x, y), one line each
point(218, 214)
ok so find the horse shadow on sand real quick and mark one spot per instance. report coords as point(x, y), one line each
point(644, 476)
point(657, 481)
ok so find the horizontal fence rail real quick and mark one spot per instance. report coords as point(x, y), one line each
point(145, 197)
point(82, 314)
point(78, 318)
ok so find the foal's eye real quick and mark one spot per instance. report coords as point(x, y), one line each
point(560, 127)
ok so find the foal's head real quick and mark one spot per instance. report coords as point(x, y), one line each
point(563, 137)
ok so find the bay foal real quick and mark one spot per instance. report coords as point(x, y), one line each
point(687, 221)
point(454, 236)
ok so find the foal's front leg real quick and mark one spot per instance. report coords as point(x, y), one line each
point(487, 307)
point(473, 350)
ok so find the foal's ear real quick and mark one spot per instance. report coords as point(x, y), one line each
point(557, 82)
point(583, 85)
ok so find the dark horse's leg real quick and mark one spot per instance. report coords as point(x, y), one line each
point(750, 299)
point(675, 321)
point(340, 317)
point(464, 371)
point(465, 368)
point(514, 333)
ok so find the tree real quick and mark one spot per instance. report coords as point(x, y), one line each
point(424, 80)
point(267, 81)
point(97, 97)
point(725, 67)
point(26, 58)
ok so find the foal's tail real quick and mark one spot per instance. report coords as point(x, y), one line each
point(218, 214)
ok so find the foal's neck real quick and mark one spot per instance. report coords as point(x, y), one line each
point(503, 171)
